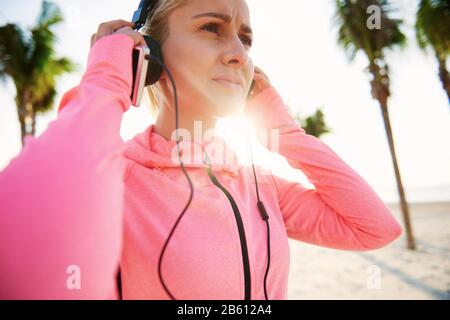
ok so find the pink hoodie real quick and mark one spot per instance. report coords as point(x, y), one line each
point(79, 197)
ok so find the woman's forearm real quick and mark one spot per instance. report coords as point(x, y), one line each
point(343, 212)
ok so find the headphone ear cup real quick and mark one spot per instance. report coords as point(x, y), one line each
point(155, 70)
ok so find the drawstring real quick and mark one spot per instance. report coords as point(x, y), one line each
point(261, 208)
point(265, 217)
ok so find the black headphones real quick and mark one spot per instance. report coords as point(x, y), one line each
point(155, 69)
point(156, 66)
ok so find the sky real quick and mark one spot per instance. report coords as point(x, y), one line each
point(295, 45)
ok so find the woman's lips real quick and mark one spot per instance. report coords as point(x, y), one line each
point(229, 84)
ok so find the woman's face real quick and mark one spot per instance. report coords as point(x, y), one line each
point(208, 47)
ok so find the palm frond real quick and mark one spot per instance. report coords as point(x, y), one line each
point(433, 26)
point(14, 50)
point(50, 15)
point(31, 61)
point(354, 35)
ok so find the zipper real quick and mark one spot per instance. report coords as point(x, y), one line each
point(240, 225)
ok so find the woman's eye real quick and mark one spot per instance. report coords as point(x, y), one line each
point(247, 41)
point(211, 26)
point(214, 27)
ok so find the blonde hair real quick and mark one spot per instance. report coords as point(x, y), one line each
point(158, 28)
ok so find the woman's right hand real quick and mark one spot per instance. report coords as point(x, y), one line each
point(118, 26)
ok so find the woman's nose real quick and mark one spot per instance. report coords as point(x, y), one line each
point(235, 53)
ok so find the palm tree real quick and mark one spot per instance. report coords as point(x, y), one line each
point(29, 59)
point(355, 36)
point(433, 30)
point(314, 125)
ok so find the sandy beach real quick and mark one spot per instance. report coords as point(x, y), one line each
point(392, 272)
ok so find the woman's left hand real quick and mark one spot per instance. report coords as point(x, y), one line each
point(266, 113)
point(262, 82)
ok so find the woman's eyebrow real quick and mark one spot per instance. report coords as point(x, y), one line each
point(224, 17)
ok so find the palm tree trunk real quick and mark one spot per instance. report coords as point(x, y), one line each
point(23, 126)
point(404, 205)
point(444, 76)
point(33, 123)
point(24, 110)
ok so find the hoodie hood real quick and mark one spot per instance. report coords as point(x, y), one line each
point(153, 151)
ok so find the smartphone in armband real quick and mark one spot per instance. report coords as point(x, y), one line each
point(140, 69)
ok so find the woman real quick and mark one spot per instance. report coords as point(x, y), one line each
point(79, 202)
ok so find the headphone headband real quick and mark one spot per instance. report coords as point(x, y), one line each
point(141, 14)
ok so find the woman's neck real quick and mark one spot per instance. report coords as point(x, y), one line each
point(194, 125)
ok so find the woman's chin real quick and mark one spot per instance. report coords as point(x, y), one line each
point(229, 101)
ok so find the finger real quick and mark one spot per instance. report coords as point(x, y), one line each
point(261, 75)
point(92, 39)
point(125, 29)
point(128, 31)
point(139, 39)
point(117, 24)
point(106, 28)
point(142, 39)
point(137, 36)
point(259, 71)
point(103, 30)
point(102, 34)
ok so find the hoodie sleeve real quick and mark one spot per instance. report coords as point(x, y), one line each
point(61, 197)
point(343, 212)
